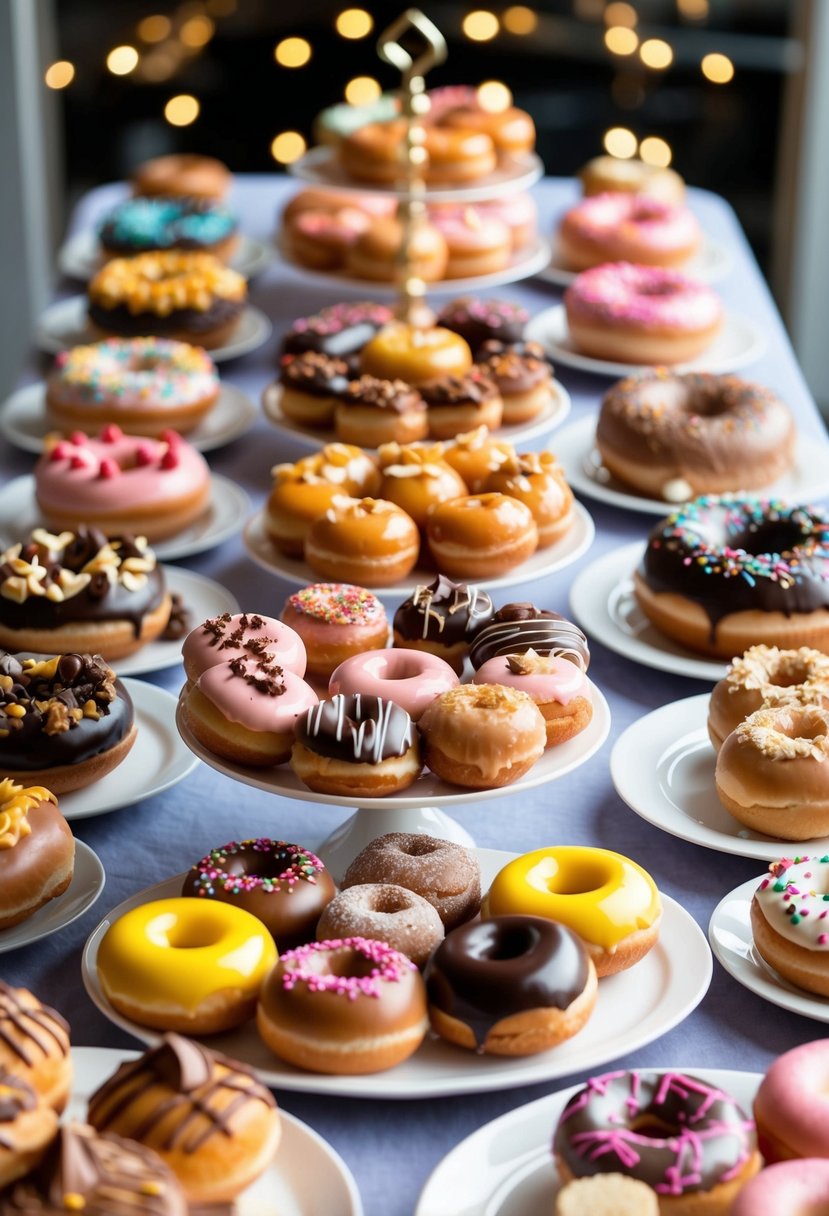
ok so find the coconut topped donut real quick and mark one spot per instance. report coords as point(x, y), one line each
point(763, 677)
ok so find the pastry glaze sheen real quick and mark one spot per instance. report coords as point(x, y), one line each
point(519, 627)
point(239, 636)
point(359, 728)
point(34, 1044)
point(442, 611)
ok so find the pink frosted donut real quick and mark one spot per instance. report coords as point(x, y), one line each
point(335, 621)
point(559, 688)
point(478, 243)
point(627, 228)
point(519, 213)
point(410, 678)
point(796, 1188)
point(242, 635)
point(321, 239)
point(792, 1104)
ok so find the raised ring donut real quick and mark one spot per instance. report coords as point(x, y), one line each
point(410, 678)
point(791, 1105)
point(798, 1187)
point(623, 227)
point(182, 173)
point(788, 923)
point(766, 677)
point(387, 913)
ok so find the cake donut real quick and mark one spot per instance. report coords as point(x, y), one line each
point(360, 746)
point(324, 238)
point(241, 635)
point(416, 485)
point(479, 321)
point(510, 986)
point(624, 227)
point(519, 627)
point(722, 574)
point(522, 375)
point(283, 885)
point(481, 535)
point(560, 689)
point(27, 1127)
point(34, 1045)
point(343, 1006)
point(442, 618)
point(182, 173)
point(335, 621)
point(413, 354)
point(766, 677)
point(788, 922)
point(482, 736)
point(339, 331)
point(372, 410)
point(460, 403)
point(790, 1105)
point(537, 480)
point(37, 851)
point(122, 483)
point(474, 454)
point(606, 174)
point(367, 541)
point(672, 436)
point(410, 678)
point(606, 1195)
point(146, 385)
point(799, 1187)
point(141, 224)
point(310, 386)
point(384, 912)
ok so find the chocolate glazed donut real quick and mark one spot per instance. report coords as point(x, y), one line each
point(517, 628)
point(357, 745)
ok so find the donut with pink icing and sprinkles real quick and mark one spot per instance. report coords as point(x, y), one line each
point(336, 621)
point(792, 1107)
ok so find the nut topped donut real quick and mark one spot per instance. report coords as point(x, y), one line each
point(310, 385)
point(560, 689)
point(460, 403)
point(241, 635)
point(523, 376)
point(373, 410)
point(517, 628)
point(443, 618)
point(482, 736)
point(474, 454)
point(538, 480)
point(763, 677)
point(417, 485)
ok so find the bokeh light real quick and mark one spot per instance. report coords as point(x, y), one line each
point(620, 142)
point(621, 40)
point(519, 19)
point(656, 53)
point(354, 23)
point(58, 75)
point(480, 25)
point(182, 110)
point(122, 60)
point(287, 147)
point(494, 96)
point(197, 31)
point(717, 68)
point(292, 52)
point(154, 28)
point(656, 151)
point(621, 14)
point(362, 90)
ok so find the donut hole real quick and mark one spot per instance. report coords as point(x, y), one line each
point(409, 669)
point(659, 288)
point(650, 1125)
point(422, 846)
point(579, 878)
point(789, 672)
point(509, 943)
point(772, 536)
point(709, 404)
point(389, 901)
point(802, 726)
point(349, 964)
point(176, 933)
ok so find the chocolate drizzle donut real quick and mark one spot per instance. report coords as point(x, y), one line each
point(29, 1031)
point(359, 729)
point(16, 1096)
point(442, 611)
point(517, 628)
point(478, 321)
point(341, 331)
point(315, 373)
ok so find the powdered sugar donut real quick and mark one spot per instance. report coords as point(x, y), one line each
point(410, 678)
point(627, 228)
point(792, 1107)
point(387, 913)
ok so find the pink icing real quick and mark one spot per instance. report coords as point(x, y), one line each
point(638, 217)
point(249, 704)
point(231, 637)
point(306, 965)
point(794, 1096)
point(646, 296)
point(562, 684)
point(793, 1188)
point(468, 228)
point(410, 678)
point(346, 224)
point(515, 211)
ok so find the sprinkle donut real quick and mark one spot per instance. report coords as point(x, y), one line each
point(627, 228)
point(410, 678)
point(792, 1110)
point(790, 922)
point(336, 620)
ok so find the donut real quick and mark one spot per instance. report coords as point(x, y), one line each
point(520, 214)
point(476, 243)
point(474, 454)
point(375, 252)
point(478, 321)
point(481, 535)
point(37, 851)
point(303, 491)
point(766, 677)
point(608, 901)
point(283, 885)
point(123, 483)
point(310, 386)
point(34, 1045)
point(145, 385)
point(413, 354)
point(368, 541)
point(195, 967)
point(482, 736)
point(184, 173)
point(359, 746)
point(522, 375)
point(335, 621)
point(142, 224)
point(332, 123)
point(788, 922)
point(340, 330)
point(314, 199)
point(673, 436)
point(344, 1006)
point(241, 635)
point(27, 1127)
point(560, 690)
point(460, 403)
point(510, 986)
point(384, 912)
point(443, 873)
point(641, 314)
point(372, 411)
point(442, 618)
point(609, 174)
point(65, 721)
point(725, 573)
point(624, 227)
point(798, 1187)
point(537, 480)
point(208, 1118)
point(690, 1142)
point(790, 1106)
point(453, 156)
point(81, 591)
point(410, 678)
point(416, 485)
point(324, 239)
point(459, 108)
point(517, 628)
point(606, 1195)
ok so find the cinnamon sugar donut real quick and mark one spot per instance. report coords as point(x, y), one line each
point(766, 677)
point(387, 913)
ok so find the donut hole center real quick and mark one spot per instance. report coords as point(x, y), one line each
point(706, 405)
point(350, 964)
point(650, 1125)
point(510, 943)
point(802, 727)
point(388, 902)
point(658, 289)
point(409, 669)
point(176, 933)
point(646, 211)
point(789, 674)
point(144, 363)
point(578, 879)
point(771, 536)
point(421, 847)
point(259, 865)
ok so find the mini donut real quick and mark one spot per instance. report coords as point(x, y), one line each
point(523, 376)
point(374, 254)
point(510, 986)
point(368, 541)
point(537, 480)
point(324, 239)
point(37, 851)
point(788, 926)
point(511, 130)
point(623, 227)
point(332, 123)
point(195, 967)
point(517, 628)
point(142, 224)
point(335, 621)
point(184, 173)
point(313, 199)
point(445, 874)
point(27, 1127)
point(790, 1104)
point(763, 678)
point(386, 913)
point(340, 330)
point(302, 491)
point(241, 635)
point(482, 736)
point(359, 746)
point(476, 243)
point(283, 885)
point(344, 465)
point(410, 678)
point(34, 1045)
point(417, 485)
point(453, 157)
point(606, 1195)
point(310, 385)
point(474, 454)
point(304, 1019)
point(460, 403)
point(371, 411)
point(609, 174)
point(610, 902)
point(798, 1187)
point(481, 535)
point(479, 321)
point(414, 354)
point(560, 689)
point(519, 213)
point(442, 618)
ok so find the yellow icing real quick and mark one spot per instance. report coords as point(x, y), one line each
point(15, 804)
point(600, 895)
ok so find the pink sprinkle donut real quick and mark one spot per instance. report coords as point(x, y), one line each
point(798, 1188)
point(792, 1104)
point(410, 678)
point(627, 228)
point(241, 635)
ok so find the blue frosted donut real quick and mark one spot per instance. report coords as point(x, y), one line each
point(140, 225)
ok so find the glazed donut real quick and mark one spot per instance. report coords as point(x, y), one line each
point(324, 239)
point(459, 108)
point(537, 480)
point(790, 1104)
point(610, 902)
point(182, 174)
point(641, 314)
point(140, 225)
point(479, 321)
point(34, 1045)
point(442, 618)
point(367, 541)
point(178, 964)
point(482, 736)
point(208, 1118)
point(360, 746)
point(691, 1143)
point(387, 913)
point(340, 331)
point(475, 454)
point(416, 480)
point(481, 535)
point(522, 374)
point(414, 354)
point(510, 986)
point(27, 1127)
point(123, 483)
point(788, 927)
point(283, 885)
point(146, 385)
point(310, 386)
point(443, 873)
point(796, 1187)
point(37, 851)
point(335, 621)
point(372, 411)
point(332, 123)
point(609, 174)
point(81, 591)
point(519, 213)
point(410, 678)
point(517, 628)
point(606, 1195)
point(243, 635)
point(375, 252)
point(191, 297)
point(722, 574)
point(476, 243)
point(764, 678)
point(460, 403)
point(560, 690)
point(303, 1018)
point(625, 227)
point(304, 490)
point(675, 436)
point(453, 156)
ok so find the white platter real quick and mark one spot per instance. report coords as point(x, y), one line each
point(306, 1177)
point(663, 767)
point(732, 942)
point(86, 885)
point(64, 324)
point(228, 509)
point(25, 423)
point(739, 343)
point(543, 562)
point(80, 256)
point(603, 603)
point(575, 448)
point(552, 415)
point(158, 760)
point(713, 261)
point(506, 1167)
point(633, 1009)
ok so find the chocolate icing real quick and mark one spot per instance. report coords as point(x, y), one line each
point(178, 625)
point(444, 612)
point(358, 729)
point(471, 389)
point(342, 330)
point(488, 970)
point(514, 368)
point(120, 320)
point(517, 628)
point(16, 1096)
point(315, 373)
point(30, 1032)
point(478, 321)
point(394, 395)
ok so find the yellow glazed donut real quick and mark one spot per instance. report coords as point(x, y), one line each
point(609, 901)
point(185, 965)
point(415, 355)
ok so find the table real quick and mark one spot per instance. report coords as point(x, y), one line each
point(392, 1147)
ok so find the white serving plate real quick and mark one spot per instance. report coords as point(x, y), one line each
point(87, 884)
point(712, 261)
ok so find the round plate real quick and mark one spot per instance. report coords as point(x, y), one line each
point(663, 768)
point(64, 324)
point(506, 1167)
point(603, 603)
point(732, 942)
point(305, 1176)
point(552, 415)
point(86, 885)
point(633, 1009)
point(229, 507)
point(576, 451)
point(739, 343)
point(711, 262)
point(80, 256)
point(320, 167)
point(543, 562)
point(158, 759)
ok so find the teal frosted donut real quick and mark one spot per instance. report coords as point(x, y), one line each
point(140, 225)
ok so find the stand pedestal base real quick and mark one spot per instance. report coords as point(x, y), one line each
point(343, 845)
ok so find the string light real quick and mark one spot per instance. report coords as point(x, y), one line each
point(58, 75)
point(197, 31)
point(655, 53)
point(621, 14)
point(494, 96)
point(621, 40)
point(362, 90)
point(292, 52)
point(122, 60)
point(717, 68)
point(480, 25)
point(655, 151)
point(694, 10)
point(288, 147)
point(620, 142)
point(354, 23)
point(182, 110)
point(155, 28)
point(519, 19)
